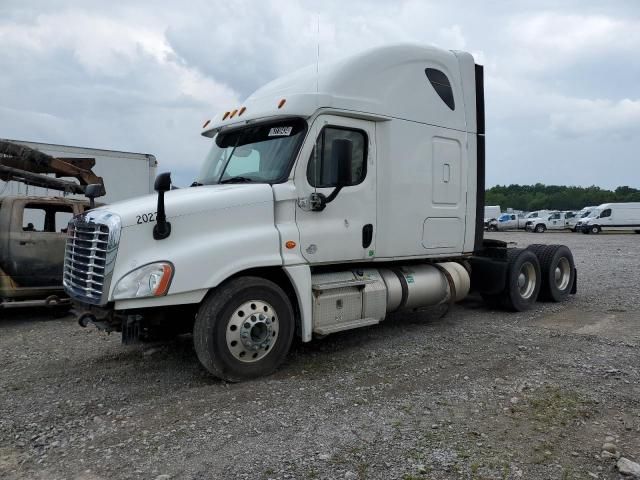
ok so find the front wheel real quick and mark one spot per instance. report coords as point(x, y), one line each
point(244, 329)
point(540, 228)
point(595, 229)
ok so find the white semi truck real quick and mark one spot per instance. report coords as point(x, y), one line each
point(328, 200)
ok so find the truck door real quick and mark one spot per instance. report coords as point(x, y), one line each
point(345, 229)
point(556, 221)
point(37, 240)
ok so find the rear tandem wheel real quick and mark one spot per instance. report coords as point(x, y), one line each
point(522, 283)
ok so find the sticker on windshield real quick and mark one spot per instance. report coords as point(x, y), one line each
point(280, 131)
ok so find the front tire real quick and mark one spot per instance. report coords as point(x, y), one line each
point(595, 229)
point(244, 329)
point(540, 228)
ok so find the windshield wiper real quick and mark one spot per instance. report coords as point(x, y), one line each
point(197, 184)
point(236, 180)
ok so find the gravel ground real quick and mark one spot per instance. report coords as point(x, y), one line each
point(478, 394)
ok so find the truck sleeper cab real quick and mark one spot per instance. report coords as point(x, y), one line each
point(327, 202)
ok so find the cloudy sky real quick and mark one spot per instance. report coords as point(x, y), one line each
point(562, 77)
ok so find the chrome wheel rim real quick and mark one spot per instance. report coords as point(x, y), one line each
point(527, 280)
point(252, 331)
point(562, 274)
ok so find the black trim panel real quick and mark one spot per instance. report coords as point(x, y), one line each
point(480, 164)
point(480, 100)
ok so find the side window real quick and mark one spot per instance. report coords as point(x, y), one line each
point(33, 218)
point(46, 218)
point(322, 171)
point(606, 213)
point(442, 86)
point(555, 216)
point(63, 217)
point(513, 217)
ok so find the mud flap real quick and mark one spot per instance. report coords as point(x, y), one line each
point(574, 287)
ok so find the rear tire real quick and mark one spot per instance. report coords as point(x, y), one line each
point(523, 280)
point(558, 271)
point(244, 329)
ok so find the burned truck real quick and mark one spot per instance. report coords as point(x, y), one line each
point(33, 229)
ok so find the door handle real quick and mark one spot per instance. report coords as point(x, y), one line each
point(367, 235)
point(27, 242)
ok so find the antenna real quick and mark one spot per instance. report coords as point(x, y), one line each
point(318, 55)
point(315, 147)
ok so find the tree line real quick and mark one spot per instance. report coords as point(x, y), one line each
point(556, 197)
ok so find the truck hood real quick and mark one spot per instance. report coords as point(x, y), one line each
point(188, 201)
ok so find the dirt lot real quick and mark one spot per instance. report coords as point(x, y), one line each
point(479, 394)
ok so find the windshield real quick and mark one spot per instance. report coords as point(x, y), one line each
point(586, 214)
point(260, 153)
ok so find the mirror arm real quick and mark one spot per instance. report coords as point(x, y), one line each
point(162, 228)
point(319, 201)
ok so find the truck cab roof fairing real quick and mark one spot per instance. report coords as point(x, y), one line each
point(385, 81)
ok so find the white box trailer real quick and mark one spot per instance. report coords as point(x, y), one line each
point(140, 171)
point(330, 199)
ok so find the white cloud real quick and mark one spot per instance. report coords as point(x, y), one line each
point(598, 118)
point(552, 39)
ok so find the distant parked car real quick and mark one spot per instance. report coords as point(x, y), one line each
point(553, 221)
point(584, 214)
point(511, 221)
point(571, 220)
point(491, 214)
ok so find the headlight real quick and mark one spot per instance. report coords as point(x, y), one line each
point(150, 280)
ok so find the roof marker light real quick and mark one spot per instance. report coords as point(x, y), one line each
point(242, 111)
point(206, 123)
point(226, 114)
point(233, 113)
point(282, 102)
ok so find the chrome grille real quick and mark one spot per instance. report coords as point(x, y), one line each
point(89, 257)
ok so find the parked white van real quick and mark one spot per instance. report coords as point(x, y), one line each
point(614, 217)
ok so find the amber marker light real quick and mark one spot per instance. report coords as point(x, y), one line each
point(242, 111)
point(233, 114)
point(163, 284)
point(206, 123)
point(226, 114)
point(290, 244)
point(282, 102)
